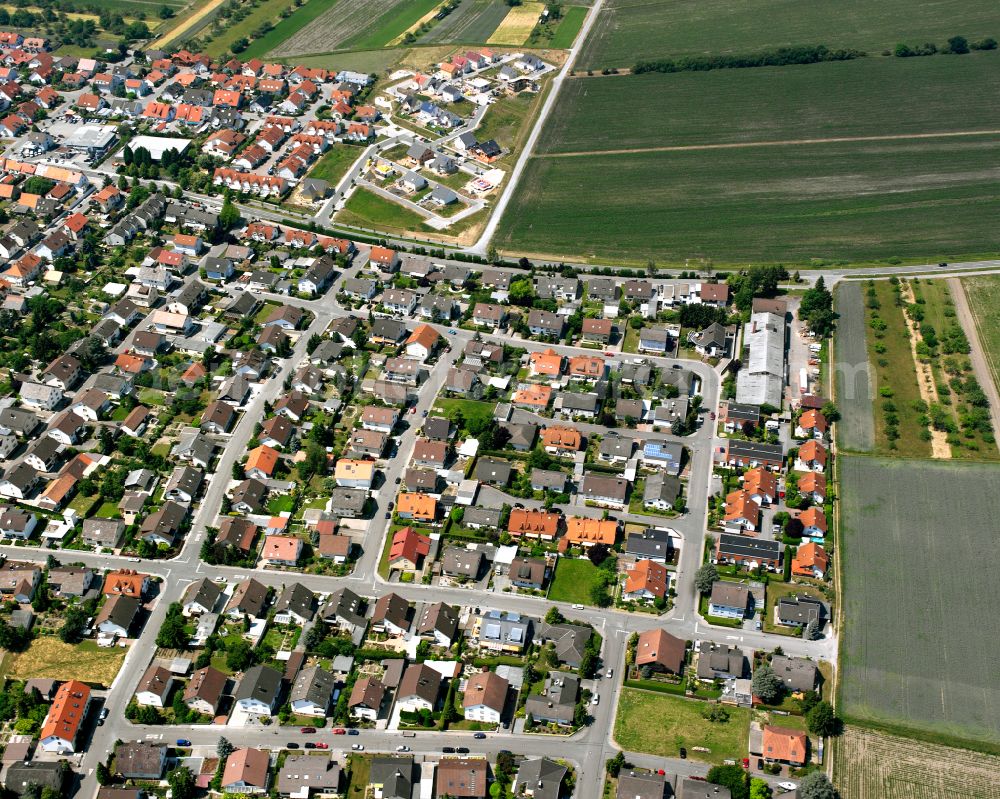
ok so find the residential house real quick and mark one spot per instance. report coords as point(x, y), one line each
point(730, 600)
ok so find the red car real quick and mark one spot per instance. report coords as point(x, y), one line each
point(307, 730)
point(661, 772)
point(340, 731)
point(610, 354)
point(746, 762)
point(322, 745)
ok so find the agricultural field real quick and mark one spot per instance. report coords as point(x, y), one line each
point(393, 24)
point(188, 23)
point(894, 375)
point(866, 97)
point(856, 428)
point(286, 28)
point(569, 26)
point(873, 765)
point(517, 25)
point(335, 27)
point(983, 294)
point(918, 596)
point(630, 30)
point(473, 21)
point(48, 657)
point(368, 61)
point(660, 724)
point(507, 121)
point(846, 201)
point(266, 12)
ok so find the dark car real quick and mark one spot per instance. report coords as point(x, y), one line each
point(388, 516)
point(309, 745)
point(683, 753)
point(183, 742)
point(398, 480)
point(291, 745)
point(353, 731)
point(479, 736)
point(307, 730)
point(462, 750)
point(448, 750)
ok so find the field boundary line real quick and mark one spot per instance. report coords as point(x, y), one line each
point(776, 143)
point(187, 24)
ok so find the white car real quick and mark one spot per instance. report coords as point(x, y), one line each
point(402, 748)
point(358, 747)
point(596, 699)
point(787, 786)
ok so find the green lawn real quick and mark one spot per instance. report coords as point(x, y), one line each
point(280, 504)
point(471, 410)
point(934, 200)
point(627, 31)
point(660, 724)
point(286, 28)
point(865, 97)
point(335, 163)
point(365, 209)
point(506, 121)
point(151, 396)
point(573, 581)
point(361, 61)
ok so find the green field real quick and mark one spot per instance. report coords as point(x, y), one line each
point(470, 410)
point(856, 428)
point(392, 24)
point(473, 21)
point(507, 119)
point(919, 593)
point(569, 27)
point(364, 209)
point(893, 371)
point(370, 61)
point(335, 163)
point(287, 28)
point(867, 97)
point(267, 11)
point(934, 199)
point(984, 299)
point(629, 30)
point(660, 724)
point(573, 581)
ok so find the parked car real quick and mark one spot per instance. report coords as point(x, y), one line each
point(462, 750)
point(307, 730)
point(448, 750)
point(291, 745)
point(479, 736)
point(683, 753)
point(402, 748)
point(353, 731)
point(357, 747)
point(309, 745)
point(183, 742)
point(321, 745)
point(340, 731)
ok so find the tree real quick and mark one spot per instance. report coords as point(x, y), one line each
point(554, 616)
point(830, 412)
point(240, 656)
point(521, 292)
point(229, 215)
point(759, 789)
point(588, 664)
point(598, 553)
point(813, 632)
point(172, 634)
point(821, 720)
point(103, 774)
point(614, 765)
point(705, 578)
point(957, 45)
point(182, 782)
point(74, 623)
point(732, 777)
point(816, 785)
point(767, 685)
point(224, 748)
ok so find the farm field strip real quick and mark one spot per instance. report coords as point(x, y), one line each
point(569, 27)
point(342, 22)
point(393, 24)
point(517, 25)
point(852, 371)
point(849, 100)
point(894, 375)
point(287, 28)
point(267, 11)
point(472, 21)
point(630, 30)
point(186, 24)
point(919, 596)
point(983, 293)
point(874, 765)
point(846, 201)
